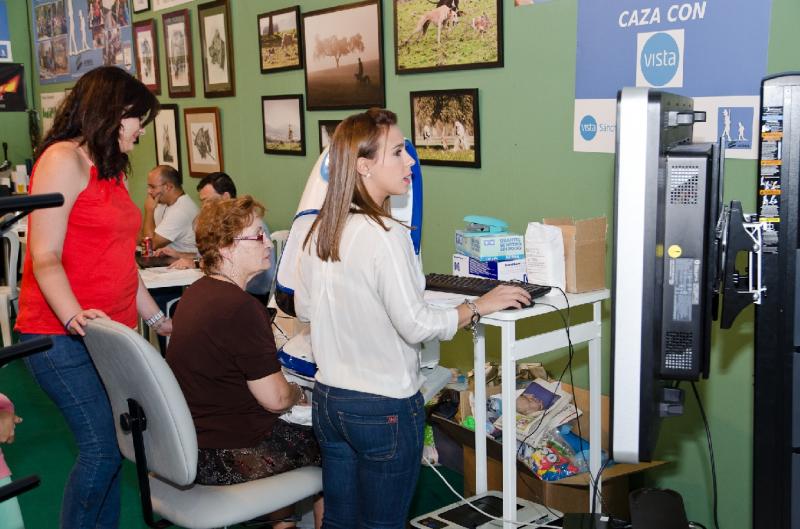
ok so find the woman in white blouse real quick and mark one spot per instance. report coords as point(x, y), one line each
point(361, 288)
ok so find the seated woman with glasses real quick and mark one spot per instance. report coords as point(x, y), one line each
point(223, 354)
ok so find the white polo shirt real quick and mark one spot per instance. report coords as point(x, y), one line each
point(176, 223)
point(367, 312)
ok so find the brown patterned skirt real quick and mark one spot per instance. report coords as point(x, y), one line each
point(289, 446)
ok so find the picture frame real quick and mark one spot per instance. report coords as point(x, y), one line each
point(429, 38)
point(326, 128)
point(216, 45)
point(178, 52)
point(167, 136)
point(145, 44)
point(280, 49)
point(203, 140)
point(343, 54)
point(282, 119)
point(141, 5)
point(445, 128)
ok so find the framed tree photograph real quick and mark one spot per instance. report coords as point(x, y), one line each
point(326, 129)
point(140, 5)
point(343, 49)
point(203, 140)
point(444, 127)
point(167, 136)
point(146, 45)
point(283, 124)
point(430, 37)
point(178, 51)
point(279, 40)
point(216, 43)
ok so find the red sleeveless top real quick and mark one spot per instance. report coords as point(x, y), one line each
point(98, 258)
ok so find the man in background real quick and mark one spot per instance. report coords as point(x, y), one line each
point(169, 213)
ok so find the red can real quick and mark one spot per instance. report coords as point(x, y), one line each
point(147, 247)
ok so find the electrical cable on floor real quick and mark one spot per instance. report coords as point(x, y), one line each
point(710, 454)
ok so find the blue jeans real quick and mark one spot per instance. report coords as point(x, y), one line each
point(66, 373)
point(371, 452)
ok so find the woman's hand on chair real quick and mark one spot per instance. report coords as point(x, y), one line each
point(76, 323)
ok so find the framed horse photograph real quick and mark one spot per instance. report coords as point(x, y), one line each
point(444, 127)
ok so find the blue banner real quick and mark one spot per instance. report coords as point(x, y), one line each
point(5, 36)
point(75, 36)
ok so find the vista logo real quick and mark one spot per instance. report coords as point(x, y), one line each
point(660, 59)
point(588, 127)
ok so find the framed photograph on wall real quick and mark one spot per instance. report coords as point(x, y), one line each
point(326, 129)
point(436, 38)
point(167, 136)
point(140, 5)
point(279, 40)
point(444, 127)
point(216, 43)
point(203, 140)
point(343, 49)
point(178, 51)
point(146, 45)
point(283, 124)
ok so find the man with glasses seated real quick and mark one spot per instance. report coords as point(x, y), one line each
point(169, 213)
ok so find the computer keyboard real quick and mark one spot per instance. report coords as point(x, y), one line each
point(475, 286)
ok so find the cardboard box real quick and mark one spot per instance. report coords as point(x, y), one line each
point(567, 495)
point(584, 252)
point(490, 246)
point(513, 270)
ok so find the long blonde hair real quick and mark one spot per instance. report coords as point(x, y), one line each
point(356, 137)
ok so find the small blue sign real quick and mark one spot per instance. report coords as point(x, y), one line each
point(588, 127)
point(735, 127)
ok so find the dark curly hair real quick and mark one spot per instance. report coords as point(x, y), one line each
point(93, 112)
point(217, 225)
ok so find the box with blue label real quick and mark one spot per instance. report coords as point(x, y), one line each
point(513, 270)
point(490, 246)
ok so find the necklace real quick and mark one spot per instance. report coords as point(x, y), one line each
point(224, 276)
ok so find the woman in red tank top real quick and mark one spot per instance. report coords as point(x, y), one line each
point(79, 265)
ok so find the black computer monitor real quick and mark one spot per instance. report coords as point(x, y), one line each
point(665, 266)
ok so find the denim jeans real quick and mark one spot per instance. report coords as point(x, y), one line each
point(371, 452)
point(66, 373)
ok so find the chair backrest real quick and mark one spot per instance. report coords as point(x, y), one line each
point(131, 368)
point(279, 242)
point(12, 259)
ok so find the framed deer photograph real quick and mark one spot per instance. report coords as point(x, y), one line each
point(444, 127)
point(279, 42)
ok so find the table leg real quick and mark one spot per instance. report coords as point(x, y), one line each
point(479, 413)
point(509, 418)
point(594, 407)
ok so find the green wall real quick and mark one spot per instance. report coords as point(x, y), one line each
point(529, 171)
point(14, 125)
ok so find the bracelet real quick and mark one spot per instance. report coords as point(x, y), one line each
point(66, 325)
point(155, 318)
point(302, 397)
point(474, 319)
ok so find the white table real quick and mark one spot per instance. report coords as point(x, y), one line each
point(163, 277)
point(513, 350)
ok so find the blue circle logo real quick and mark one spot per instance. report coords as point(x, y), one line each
point(660, 59)
point(588, 127)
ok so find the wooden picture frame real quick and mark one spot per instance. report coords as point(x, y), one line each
point(343, 50)
point(178, 52)
point(445, 127)
point(167, 136)
point(282, 49)
point(145, 44)
point(203, 140)
point(141, 5)
point(429, 38)
point(281, 119)
point(216, 45)
point(325, 129)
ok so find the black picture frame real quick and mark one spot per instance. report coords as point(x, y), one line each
point(284, 49)
point(336, 81)
point(281, 117)
point(140, 6)
point(445, 127)
point(203, 140)
point(167, 135)
point(145, 44)
point(461, 42)
point(178, 51)
point(325, 129)
point(216, 50)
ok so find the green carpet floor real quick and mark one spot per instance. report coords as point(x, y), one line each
point(44, 447)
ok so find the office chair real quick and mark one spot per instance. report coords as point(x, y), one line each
point(278, 243)
point(9, 293)
point(155, 430)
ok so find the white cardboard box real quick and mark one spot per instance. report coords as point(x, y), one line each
point(465, 266)
point(490, 246)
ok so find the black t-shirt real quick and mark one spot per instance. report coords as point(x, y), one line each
point(222, 338)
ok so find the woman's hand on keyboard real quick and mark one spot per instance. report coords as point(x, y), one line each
point(503, 297)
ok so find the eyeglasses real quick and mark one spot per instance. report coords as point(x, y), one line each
point(260, 236)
